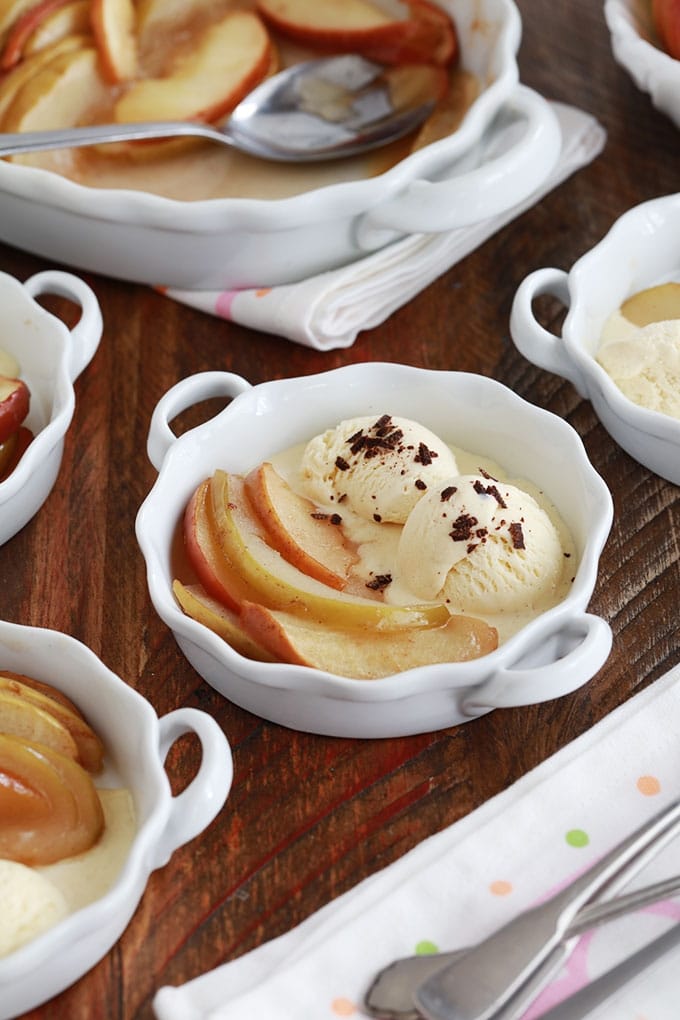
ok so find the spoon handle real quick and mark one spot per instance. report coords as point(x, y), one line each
point(97, 134)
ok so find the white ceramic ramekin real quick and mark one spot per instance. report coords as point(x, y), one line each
point(51, 358)
point(231, 242)
point(641, 250)
point(637, 49)
point(137, 743)
point(554, 654)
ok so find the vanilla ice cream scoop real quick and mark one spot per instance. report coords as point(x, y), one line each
point(482, 545)
point(378, 467)
point(645, 365)
point(30, 905)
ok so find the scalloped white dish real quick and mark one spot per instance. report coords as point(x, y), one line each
point(637, 49)
point(639, 251)
point(137, 743)
point(235, 242)
point(51, 359)
point(554, 653)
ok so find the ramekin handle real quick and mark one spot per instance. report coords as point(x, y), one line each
point(581, 646)
point(488, 190)
point(199, 803)
point(535, 342)
point(87, 332)
point(180, 397)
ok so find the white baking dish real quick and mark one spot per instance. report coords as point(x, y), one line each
point(554, 653)
point(232, 242)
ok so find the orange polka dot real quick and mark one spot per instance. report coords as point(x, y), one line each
point(343, 1007)
point(648, 786)
point(263, 291)
point(500, 887)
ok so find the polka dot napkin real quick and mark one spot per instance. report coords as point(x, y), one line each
point(461, 884)
point(329, 311)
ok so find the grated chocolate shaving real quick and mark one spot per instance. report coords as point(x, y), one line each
point(463, 528)
point(379, 582)
point(489, 490)
point(517, 535)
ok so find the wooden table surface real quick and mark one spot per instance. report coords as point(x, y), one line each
point(309, 816)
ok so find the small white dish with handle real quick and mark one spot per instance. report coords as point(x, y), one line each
point(556, 652)
point(640, 250)
point(137, 743)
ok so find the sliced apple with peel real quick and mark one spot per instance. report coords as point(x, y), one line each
point(48, 804)
point(60, 94)
point(15, 401)
point(10, 12)
point(39, 685)
point(229, 59)
point(281, 585)
point(213, 568)
point(412, 32)
point(23, 28)
point(71, 19)
point(364, 653)
point(88, 745)
point(197, 604)
point(114, 28)
point(22, 718)
point(14, 80)
point(309, 539)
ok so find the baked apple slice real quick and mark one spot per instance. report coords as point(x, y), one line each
point(213, 569)
point(48, 804)
point(60, 94)
point(229, 59)
point(281, 585)
point(25, 27)
point(197, 604)
point(22, 718)
point(88, 746)
point(15, 401)
point(366, 653)
point(114, 28)
point(10, 12)
point(307, 538)
point(14, 80)
point(419, 33)
point(71, 19)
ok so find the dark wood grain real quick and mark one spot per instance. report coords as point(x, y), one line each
point(310, 816)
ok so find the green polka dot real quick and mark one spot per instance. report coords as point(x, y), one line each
point(425, 947)
point(577, 837)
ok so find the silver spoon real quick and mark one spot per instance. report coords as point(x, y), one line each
point(319, 109)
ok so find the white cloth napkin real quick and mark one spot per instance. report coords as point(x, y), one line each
point(329, 310)
point(461, 884)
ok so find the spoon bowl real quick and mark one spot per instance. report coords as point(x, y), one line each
point(315, 110)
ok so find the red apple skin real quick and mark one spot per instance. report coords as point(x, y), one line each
point(666, 17)
point(427, 36)
point(15, 401)
point(22, 29)
point(12, 450)
point(204, 555)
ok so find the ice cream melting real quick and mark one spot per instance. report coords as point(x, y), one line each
point(645, 365)
point(432, 523)
point(482, 544)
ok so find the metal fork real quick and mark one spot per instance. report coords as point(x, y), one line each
point(514, 963)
